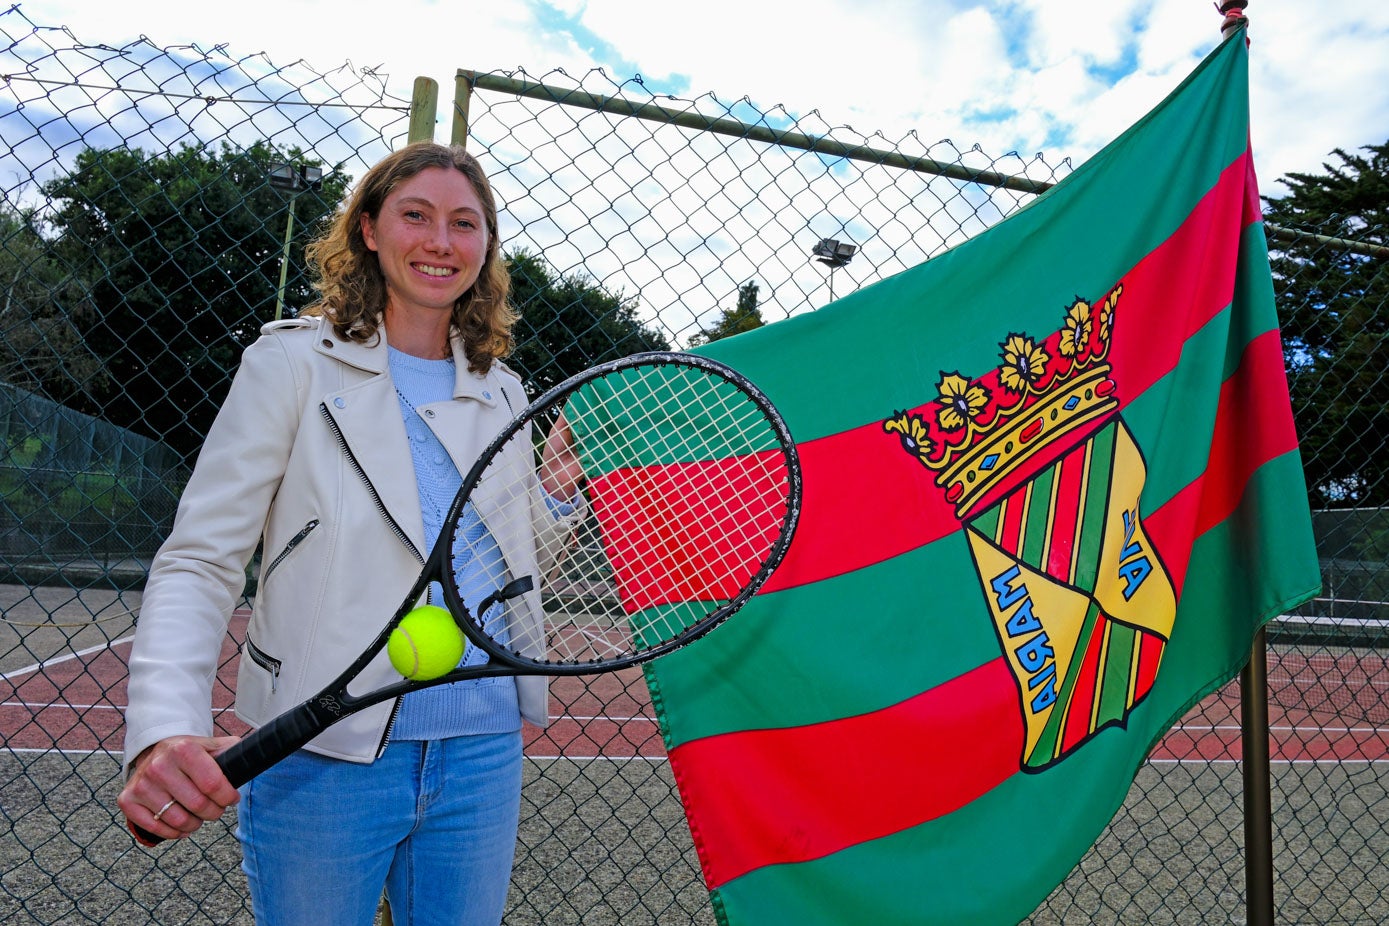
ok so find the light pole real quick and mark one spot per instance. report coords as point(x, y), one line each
point(296, 178)
point(834, 254)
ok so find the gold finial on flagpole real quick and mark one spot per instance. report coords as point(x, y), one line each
point(1233, 11)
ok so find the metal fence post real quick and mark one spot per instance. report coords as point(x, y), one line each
point(1258, 807)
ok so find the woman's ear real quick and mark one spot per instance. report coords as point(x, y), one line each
point(368, 232)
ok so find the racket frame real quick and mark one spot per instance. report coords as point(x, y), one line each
point(293, 729)
point(504, 661)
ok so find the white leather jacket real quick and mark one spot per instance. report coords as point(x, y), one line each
point(308, 454)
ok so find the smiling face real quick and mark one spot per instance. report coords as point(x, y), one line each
point(430, 237)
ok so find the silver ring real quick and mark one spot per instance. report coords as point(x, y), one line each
point(160, 812)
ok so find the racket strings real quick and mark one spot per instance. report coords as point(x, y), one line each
point(686, 495)
point(705, 558)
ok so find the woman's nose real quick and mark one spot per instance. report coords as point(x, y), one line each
point(438, 238)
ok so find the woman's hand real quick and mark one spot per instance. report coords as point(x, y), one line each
point(560, 469)
point(175, 786)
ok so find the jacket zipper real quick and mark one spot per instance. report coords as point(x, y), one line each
point(362, 474)
point(289, 548)
point(268, 663)
point(258, 656)
point(390, 522)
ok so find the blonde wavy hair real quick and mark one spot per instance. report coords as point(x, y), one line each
point(352, 289)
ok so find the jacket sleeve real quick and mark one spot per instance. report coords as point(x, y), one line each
point(554, 524)
point(199, 574)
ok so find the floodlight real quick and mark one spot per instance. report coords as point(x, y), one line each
point(834, 253)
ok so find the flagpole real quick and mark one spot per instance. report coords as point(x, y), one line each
point(1258, 805)
point(1253, 686)
point(1233, 11)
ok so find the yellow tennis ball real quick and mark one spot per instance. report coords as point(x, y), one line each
point(426, 645)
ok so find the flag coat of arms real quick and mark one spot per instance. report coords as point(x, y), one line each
point(1051, 491)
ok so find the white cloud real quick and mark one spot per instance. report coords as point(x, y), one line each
point(1097, 33)
point(1318, 81)
point(696, 217)
point(1030, 75)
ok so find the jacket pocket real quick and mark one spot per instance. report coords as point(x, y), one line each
point(289, 548)
point(267, 662)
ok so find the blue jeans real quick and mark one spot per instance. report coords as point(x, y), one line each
point(434, 822)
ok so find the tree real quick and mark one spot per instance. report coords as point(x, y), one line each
point(744, 317)
point(183, 249)
point(43, 312)
point(569, 323)
point(1333, 304)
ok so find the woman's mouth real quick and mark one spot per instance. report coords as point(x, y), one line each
point(429, 270)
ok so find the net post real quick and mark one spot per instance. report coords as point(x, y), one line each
point(1258, 807)
point(424, 103)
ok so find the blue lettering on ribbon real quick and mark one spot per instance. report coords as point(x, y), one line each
point(1134, 564)
point(1035, 653)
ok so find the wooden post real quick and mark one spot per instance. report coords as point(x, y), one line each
point(424, 107)
point(462, 94)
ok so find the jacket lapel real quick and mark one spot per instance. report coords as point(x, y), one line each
point(367, 414)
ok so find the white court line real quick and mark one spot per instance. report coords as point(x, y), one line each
point(653, 759)
point(41, 705)
point(648, 718)
point(1283, 728)
point(38, 666)
point(665, 759)
point(1270, 761)
point(63, 752)
point(112, 644)
point(113, 753)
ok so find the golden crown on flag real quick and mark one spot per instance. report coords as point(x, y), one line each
point(983, 431)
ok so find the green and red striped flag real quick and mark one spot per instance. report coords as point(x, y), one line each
point(1052, 490)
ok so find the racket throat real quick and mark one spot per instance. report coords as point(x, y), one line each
point(506, 593)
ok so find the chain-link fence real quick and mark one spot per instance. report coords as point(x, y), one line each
point(156, 204)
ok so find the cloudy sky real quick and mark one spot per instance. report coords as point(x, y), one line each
point(1060, 77)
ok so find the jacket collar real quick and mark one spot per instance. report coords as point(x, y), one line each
point(372, 357)
point(367, 415)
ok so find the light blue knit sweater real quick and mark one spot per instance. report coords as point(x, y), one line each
point(485, 705)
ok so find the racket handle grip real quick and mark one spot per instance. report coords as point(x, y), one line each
point(261, 748)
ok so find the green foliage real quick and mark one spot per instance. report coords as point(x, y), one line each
point(744, 317)
point(44, 311)
point(1346, 199)
point(1334, 311)
point(1375, 548)
point(183, 250)
point(569, 323)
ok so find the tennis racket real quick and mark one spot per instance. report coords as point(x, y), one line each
point(688, 499)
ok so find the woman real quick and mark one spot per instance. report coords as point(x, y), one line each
point(338, 449)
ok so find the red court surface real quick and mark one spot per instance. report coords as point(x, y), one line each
point(1329, 706)
point(74, 703)
point(1322, 707)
